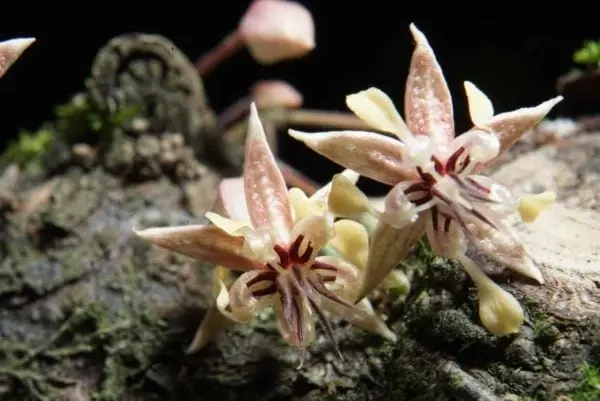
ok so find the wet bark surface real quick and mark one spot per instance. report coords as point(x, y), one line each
point(88, 312)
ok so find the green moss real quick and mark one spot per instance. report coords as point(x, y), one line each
point(75, 121)
point(589, 54)
point(424, 252)
point(589, 389)
point(28, 149)
point(80, 121)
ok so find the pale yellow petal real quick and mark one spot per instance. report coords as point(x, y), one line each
point(375, 108)
point(322, 193)
point(352, 242)
point(480, 106)
point(302, 205)
point(230, 226)
point(316, 229)
point(345, 199)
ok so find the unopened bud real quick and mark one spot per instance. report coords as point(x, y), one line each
point(268, 94)
point(277, 30)
point(530, 206)
point(499, 311)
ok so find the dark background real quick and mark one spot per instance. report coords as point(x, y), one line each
point(513, 53)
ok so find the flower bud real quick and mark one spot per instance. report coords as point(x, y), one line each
point(530, 206)
point(277, 30)
point(499, 311)
point(267, 94)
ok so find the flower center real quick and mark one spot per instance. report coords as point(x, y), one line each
point(293, 255)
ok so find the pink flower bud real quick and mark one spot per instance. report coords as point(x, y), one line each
point(277, 30)
point(276, 94)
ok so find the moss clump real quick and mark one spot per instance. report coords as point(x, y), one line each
point(28, 149)
point(589, 389)
point(588, 54)
point(75, 121)
point(80, 121)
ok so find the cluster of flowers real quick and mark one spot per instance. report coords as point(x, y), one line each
point(304, 255)
point(275, 236)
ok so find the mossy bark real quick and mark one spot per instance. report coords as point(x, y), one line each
point(88, 312)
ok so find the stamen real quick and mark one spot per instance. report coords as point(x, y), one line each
point(292, 314)
point(451, 162)
point(270, 290)
point(326, 326)
point(434, 218)
point(314, 304)
point(321, 289)
point(479, 186)
point(428, 178)
point(415, 187)
point(294, 255)
point(284, 257)
point(447, 222)
point(268, 275)
point(466, 163)
point(438, 165)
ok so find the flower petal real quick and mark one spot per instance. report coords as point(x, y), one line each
point(427, 100)
point(11, 50)
point(207, 243)
point(230, 226)
point(445, 236)
point(502, 246)
point(301, 204)
point(352, 242)
point(316, 231)
point(266, 193)
point(388, 247)
point(323, 193)
point(480, 106)
point(217, 318)
point(346, 199)
point(361, 316)
point(250, 292)
point(512, 125)
point(232, 201)
point(482, 146)
point(375, 108)
point(373, 155)
point(298, 327)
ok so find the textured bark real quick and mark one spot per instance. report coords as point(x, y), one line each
point(89, 312)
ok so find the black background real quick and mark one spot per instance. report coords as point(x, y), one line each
point(514, 53)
